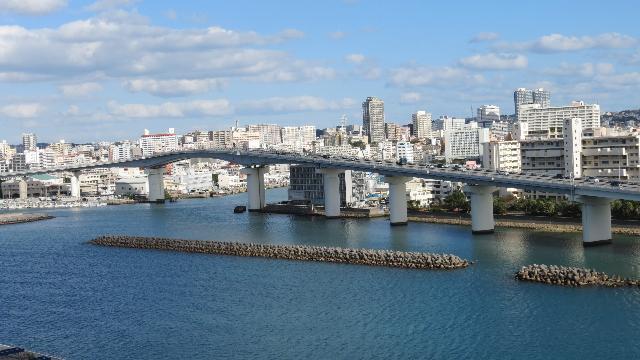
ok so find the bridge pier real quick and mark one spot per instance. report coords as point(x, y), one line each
point(596, 220)
point(482, 221)
point(255, 186)
point(331, 183)
point(156, 185)
point(75, 184)
point(397, 199)
point(22, 189)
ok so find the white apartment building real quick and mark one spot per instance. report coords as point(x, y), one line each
point(158, 143)
point(502, 156)
point(120, 151)
point(220, 139)
point(421, 124)
point(298, 136)
point(524, 96)
point(404, 150)
point(270, 134)
point(30, 142)
point(373, 119)
point(548, 122)
point(133, 186)
point(464, 143)
point(445, 123)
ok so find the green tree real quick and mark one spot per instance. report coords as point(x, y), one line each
point(499, 206)
point(456, 201)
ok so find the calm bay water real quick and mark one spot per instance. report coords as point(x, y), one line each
point(60, 295)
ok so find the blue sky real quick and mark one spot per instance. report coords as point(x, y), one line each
point(105, 70)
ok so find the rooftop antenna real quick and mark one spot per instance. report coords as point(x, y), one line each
point(237, 123)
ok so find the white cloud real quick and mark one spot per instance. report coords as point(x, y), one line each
point(80, 90)
point(484, 36)
point(293, 104)
point(355, 58)
point(337, 35)
point(492, 61)
point(173, 87)
point(102, 5)
point(125, 45)
point(32, 7)
point(196, 108)
point(410, 98)
point(580, 70)
point(563, 43)
point(22, 111)
point(410, 76)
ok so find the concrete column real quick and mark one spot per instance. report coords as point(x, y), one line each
point(75, 184)
point(397, 199)
point(331, 183)
point(596, 220)
point(482, 221)
point(156, 185)
point(22, 189)
point(255, 186)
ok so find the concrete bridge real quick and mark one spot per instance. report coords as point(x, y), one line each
point(480, 184)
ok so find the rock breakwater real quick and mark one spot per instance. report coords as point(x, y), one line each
point(399, 259)
point(571, 276)
point(18, 218)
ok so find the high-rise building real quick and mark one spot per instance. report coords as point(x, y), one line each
point(421, 124)
point(548, 122)
point(465, 143)
point(396, 132)
point(30, 141)
point(404, 150)
point(487, 115)
point(524, 96)
point(373, 119)
point(270, 134)
point(502, 156)
point(448, 123)
point(542, 97)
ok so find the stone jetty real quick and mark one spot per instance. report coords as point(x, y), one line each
point(399, 259)
point(18, 218)
point(571, 276)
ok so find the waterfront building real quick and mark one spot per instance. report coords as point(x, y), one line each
point(132, 186)
point(421, 121)
point(158, 143)
point(373, 119)
point(548, 122)
point(306, 184)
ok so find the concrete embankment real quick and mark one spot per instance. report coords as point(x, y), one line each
point(571, 276)
point(411, 260)
point(7, 219)
point(564, 225)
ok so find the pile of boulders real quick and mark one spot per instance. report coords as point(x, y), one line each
point(411, 260)
point(571, 276)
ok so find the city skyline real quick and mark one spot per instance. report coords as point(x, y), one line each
point(113, 68)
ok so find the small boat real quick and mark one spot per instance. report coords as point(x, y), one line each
point(239, 209)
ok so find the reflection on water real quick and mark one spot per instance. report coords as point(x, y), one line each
point(63, 296)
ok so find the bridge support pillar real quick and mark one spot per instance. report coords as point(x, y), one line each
point(75, 184)
point(397, 199)
point(255, 186)
point(156, 185)
point(482, 221)
point(331, 183)
point(596, 220)
point(22, 189)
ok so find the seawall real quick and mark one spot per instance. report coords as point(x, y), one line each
point(388, 258)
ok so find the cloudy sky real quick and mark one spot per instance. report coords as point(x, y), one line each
point(107, 69)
